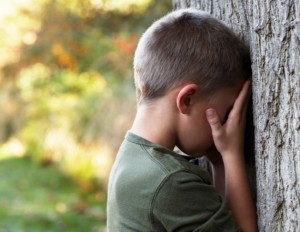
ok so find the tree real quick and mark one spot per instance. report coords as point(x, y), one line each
point(272, 29)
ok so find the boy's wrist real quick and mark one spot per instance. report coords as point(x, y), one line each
point(233, 158)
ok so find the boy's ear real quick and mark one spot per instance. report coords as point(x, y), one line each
point(185, 96)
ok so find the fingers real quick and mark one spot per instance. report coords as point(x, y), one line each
point(240, 104)
point(247, 98)
point(214, 122)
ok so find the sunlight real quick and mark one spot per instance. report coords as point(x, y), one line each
point(103, 159)
point(83, 161)
point(17, 28)
point(29, 38)
point(13, 147)
point(10, 7)
point(122, 5)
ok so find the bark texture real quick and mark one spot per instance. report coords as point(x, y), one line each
point(272, 29)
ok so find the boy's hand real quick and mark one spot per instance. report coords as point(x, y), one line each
point(229, 137)
point(229, 141)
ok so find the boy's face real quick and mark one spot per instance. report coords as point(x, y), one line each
point(195, 137)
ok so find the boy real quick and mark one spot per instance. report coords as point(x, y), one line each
point(191, 76)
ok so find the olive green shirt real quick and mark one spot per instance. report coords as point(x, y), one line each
point(154, 189)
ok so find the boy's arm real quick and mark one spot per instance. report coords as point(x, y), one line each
point(218, 171)
point(229, 141)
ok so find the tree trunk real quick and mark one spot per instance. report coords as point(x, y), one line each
point(272, 29)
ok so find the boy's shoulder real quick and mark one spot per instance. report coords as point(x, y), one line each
point(149, 183)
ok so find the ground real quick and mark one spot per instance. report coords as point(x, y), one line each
point(40, 198)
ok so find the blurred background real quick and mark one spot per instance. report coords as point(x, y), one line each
point(66, 100)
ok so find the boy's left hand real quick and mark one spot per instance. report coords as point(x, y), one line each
point(229, 137)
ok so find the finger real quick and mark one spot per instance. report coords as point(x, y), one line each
point(240, 104)
point(246, 103)
point(214, 122)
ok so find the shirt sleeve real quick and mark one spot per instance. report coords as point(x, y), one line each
point(183, 202)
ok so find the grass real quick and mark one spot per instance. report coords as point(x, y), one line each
point(37, 198)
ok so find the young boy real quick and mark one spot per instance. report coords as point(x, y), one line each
point(191, 76)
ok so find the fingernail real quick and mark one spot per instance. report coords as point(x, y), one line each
point(210, 113)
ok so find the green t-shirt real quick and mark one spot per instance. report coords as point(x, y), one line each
point(154, 189)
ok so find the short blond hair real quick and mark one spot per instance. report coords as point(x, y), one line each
point(188, 46)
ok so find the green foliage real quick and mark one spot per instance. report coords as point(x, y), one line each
point(67, 99)
point(73, 76)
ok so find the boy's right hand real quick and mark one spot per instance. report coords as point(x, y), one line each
point(229, 137)
point(229, 141)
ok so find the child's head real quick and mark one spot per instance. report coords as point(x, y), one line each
point(188, 46)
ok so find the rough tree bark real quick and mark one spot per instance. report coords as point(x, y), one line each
point(272, 29)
